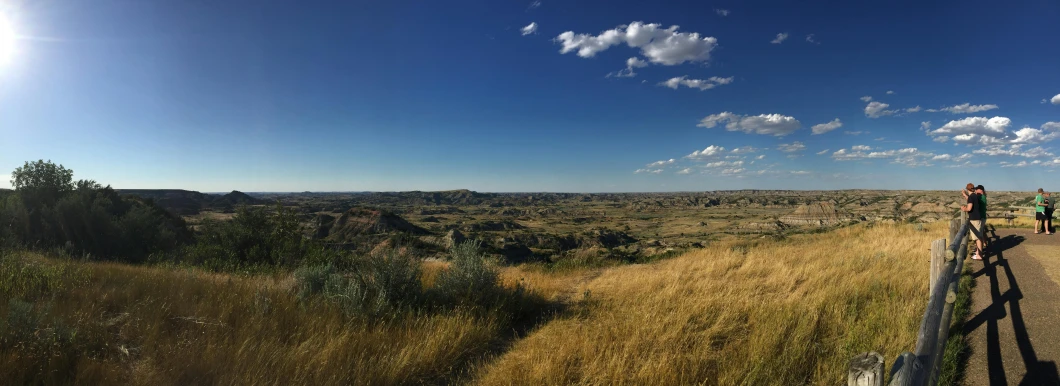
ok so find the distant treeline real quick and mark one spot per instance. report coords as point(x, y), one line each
point(48, 210)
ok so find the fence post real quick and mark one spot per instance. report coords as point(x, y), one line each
point(938, 258)
point(866, 370)
point(906, 370)
point(955, 226)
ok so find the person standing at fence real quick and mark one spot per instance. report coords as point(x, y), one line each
point(1049, 206)
point(975, 223)
point(1039, 212)
point(981, 191)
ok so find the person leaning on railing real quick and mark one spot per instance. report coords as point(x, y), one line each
point(981, 191)
point(974, 207)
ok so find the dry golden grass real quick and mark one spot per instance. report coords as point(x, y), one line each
point(154, 326)
point(781, 313)
point(768, 312)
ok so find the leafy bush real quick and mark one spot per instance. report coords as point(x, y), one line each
point(30, 279)
point(471, 279)
point(311, 280)
point(48, 210)
point(254, 237)
point(378, 285)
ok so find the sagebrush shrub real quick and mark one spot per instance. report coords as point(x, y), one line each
point(310, 280)
point(472, 279)
point(377, 285)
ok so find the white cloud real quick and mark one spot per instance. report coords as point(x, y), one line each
point(1014, 150)
point(661, 46)
point(636, 62)
point(530, 29)
point(910, 156)
point(685, 171)
point(721, 164)
point(941, 139)
point(652, 171)
point(1034, 136)
point(976, 139)
point(809, 38)
point(994, 127)
point(701, 84)
point(826, 127)
point(913, 109)
point(791, 147)
point(889, 92)
point(780, 38)
point(769, 124)
point(760, 157)
point(535, 4)
point(942, 157)
point(631, 63)
point(925, 125)
point(722, 12)
point(822, 152)
point(732, 171)
point(744, 150)
point(967, 108)
point(1055, 100)
point(878, 109)
point(661, 163)
point(1051, 126)
point(710, 151)
point(866, 99)
point(855, 132)
point(1015, 165)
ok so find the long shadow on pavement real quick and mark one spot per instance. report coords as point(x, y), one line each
point(1038, 373)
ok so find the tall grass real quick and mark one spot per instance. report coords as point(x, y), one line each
point(790, 311)
point(778, 313)
point(124, 324)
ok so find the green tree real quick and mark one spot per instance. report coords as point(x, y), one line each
point(42, 183)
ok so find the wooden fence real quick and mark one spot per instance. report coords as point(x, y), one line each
point(922, 366)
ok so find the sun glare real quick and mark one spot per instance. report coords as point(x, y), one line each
point(7, 40)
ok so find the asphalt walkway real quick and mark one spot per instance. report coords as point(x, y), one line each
point(1014, 325)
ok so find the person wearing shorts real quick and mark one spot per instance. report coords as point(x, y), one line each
point(1039, 212)
point(975, 222)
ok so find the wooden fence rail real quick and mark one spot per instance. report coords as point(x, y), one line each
point(922, 366)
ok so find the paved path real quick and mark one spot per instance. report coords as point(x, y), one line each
point(1014, 325)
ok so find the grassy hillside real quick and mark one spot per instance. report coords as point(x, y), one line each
point(773, 312)
point(789, 312)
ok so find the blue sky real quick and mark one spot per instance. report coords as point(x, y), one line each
point(593, 96)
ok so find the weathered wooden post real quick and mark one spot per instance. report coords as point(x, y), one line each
point(955, 225)
point(866, 370)
point(938, 259)
point(906, 370)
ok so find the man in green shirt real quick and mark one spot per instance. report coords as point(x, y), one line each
point(1039, 209)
